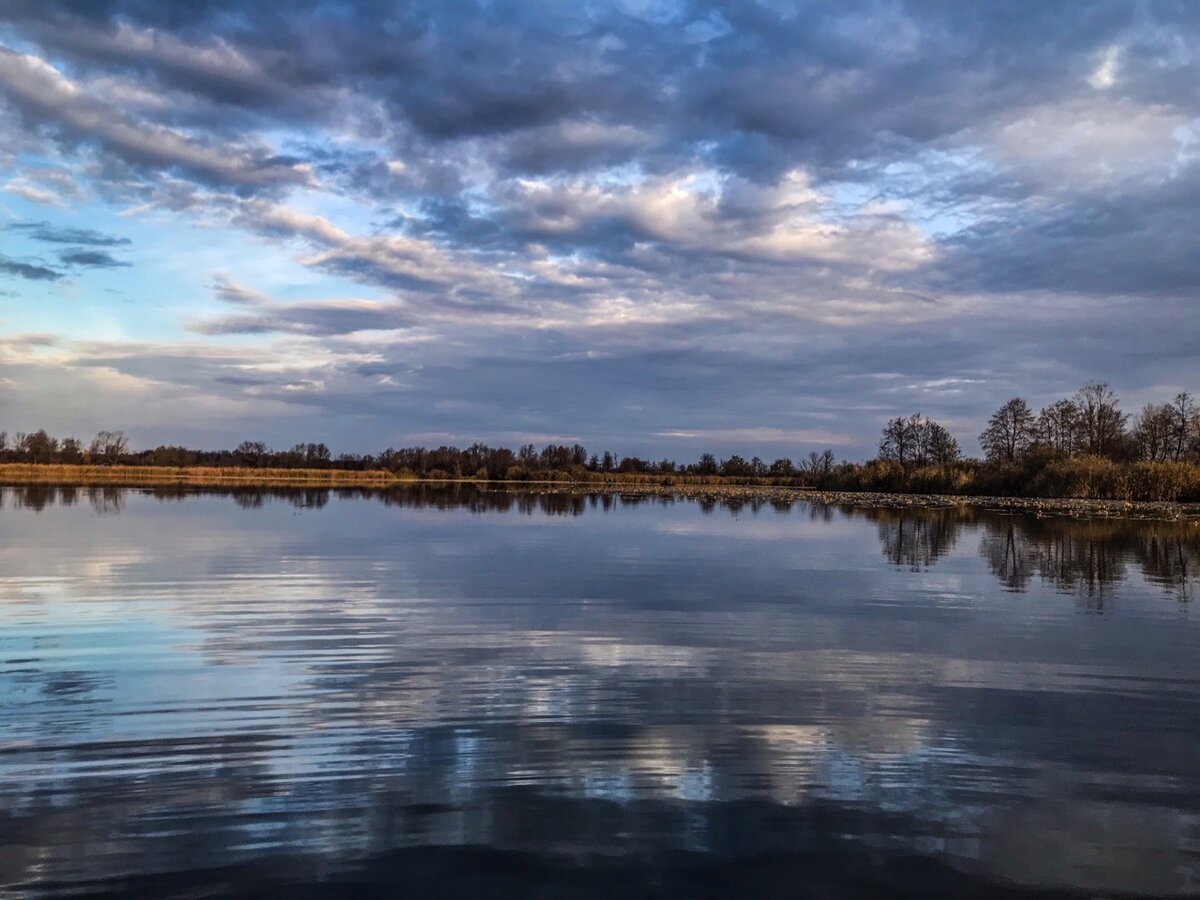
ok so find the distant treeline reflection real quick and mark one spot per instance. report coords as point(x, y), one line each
point(1078, 556)
point(1081, 556)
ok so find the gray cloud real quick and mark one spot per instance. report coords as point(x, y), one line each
point(230, 291)
point(47, 97)
point(28, 270)
point(323, 318)
point(89, 237)
point(91, 259)
point(713, 218)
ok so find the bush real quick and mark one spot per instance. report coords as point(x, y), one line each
point(1164, 481)
point(1083, 478)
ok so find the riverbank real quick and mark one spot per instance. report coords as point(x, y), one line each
point(197, 476)
point(151, 477)
point(1038, 506)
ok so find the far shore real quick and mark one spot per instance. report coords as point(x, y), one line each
point(151, 477)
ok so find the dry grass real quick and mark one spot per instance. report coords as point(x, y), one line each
point(232, 476)
point(22, 473)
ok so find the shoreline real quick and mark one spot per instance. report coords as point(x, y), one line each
point(148, 477)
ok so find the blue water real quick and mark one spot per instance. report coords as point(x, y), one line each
point(477, 690)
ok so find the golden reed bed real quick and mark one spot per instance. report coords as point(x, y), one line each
point(22, 473)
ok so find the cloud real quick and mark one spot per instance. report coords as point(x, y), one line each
point(89, 237)
point(753, 222)
point(758, 436)
point(90, 259)
point(44, 94)
point(34, 194)
point(327, 317)
point(781, 222)
point(30, 271)
point(230, 291)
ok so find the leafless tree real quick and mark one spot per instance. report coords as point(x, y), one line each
point(108, 446)
point(1183, 422)
point(71, 451)
point(819, 464)
point(915, 441)
point(936, 446)
point(38, 447)
point(1101, 422)
point(899, 440)
point(1010, 431)
point(251, 453)
point(1058, 425)
point(1152, 433)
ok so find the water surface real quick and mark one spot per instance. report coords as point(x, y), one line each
point(462, 688)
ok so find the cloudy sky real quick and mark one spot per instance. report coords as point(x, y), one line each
point(654, 226)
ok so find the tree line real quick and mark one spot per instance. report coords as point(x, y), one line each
point(476, 461)
point(1090, 423)
point(1083, 445)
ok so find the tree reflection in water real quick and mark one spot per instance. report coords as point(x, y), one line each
point(1085, 557)
point(1089, 557)
point(687, 690)
point(916, 538)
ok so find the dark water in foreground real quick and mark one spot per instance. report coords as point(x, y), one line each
point(461, 694)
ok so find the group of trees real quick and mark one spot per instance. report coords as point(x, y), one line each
point(1084, 445)
point(477, 461)
point(916, 442)
point(1092, 424)
point(107, 447)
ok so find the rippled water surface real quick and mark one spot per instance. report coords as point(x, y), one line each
point(478, 692)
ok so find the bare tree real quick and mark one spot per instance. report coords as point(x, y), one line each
point(1183, 421)
point(899, 440)
point(1153, 433)
point(316, 454)
point(108, 447)
point(940, 445)
point(1058, 426)
point(818, 465)
point(252, 453)
point(38, 447)
point(915, 441)
point(1010, 431)
point(1101, 422)
point(71, 451)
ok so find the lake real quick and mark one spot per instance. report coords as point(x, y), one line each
point(461, 692)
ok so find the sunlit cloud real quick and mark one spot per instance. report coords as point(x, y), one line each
point(642, 226)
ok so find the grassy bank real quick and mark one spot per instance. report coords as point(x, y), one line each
point(199, 476)
point(1076, 477)
point(703, 488)
point(55, 473)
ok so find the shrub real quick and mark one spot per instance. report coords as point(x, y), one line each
point(1164, 481)
point(1084, 478)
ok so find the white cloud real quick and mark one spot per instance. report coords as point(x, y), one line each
point(1104, 75)
point(20, 187)
point(44, 92)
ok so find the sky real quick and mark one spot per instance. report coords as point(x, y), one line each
point(649, 226)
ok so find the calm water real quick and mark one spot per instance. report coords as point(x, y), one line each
point(476, 693)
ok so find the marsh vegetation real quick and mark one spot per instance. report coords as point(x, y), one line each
point(1083, 446)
